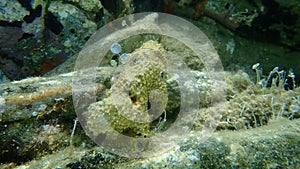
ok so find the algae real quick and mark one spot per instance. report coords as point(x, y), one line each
point(265, 120)
point(139, 78)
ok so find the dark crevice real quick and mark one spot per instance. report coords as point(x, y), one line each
point(52, 23)
point(146, 6)
point(25, 36)
point(261, 28)
point(26, 4)
point(99, 16)
point(133, 99)
point(33, 13)
point(110, 6)
point(11, 24)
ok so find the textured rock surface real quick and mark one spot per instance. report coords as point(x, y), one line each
point(41, 110)
point(76, 25)
point(139, 79)
point(12, 11)
point(272, 146)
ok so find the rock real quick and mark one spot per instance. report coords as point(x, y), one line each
point(126, 106)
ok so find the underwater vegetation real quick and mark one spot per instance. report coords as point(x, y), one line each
point(38, 35)
point(41, 109)
point(257, 126)
point(145, 65)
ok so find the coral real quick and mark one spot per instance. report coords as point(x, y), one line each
point(250, 105)
point(233, 14)
point(276, 78)
point(243, 17)
point(137, 83)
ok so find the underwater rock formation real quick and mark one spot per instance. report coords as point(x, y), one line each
point(12, 11)
point(138, 85)
point(42, 111)
point(36, 114)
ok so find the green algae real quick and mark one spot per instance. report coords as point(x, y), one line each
point(126, 104)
